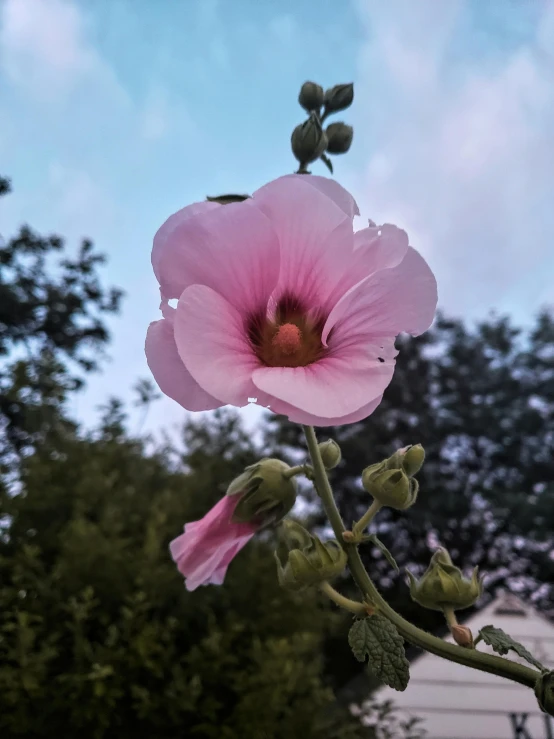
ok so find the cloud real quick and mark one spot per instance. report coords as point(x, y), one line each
point(45, 51)
point(462, 149)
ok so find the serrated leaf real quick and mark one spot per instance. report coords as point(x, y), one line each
point(503, 643)
point(382, 548)
point(377, 638)
point(328, 163)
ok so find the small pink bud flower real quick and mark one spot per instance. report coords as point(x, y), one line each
point(203, 553)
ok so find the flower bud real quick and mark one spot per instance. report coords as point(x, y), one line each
point(462, 636)
point(338, 98)
point(392, 488)
point(412, 459)
point(339, 136)
point(265, 492)
point(443, 585)
point(330, 453)
point(303, 560)
point(544, 692)
point(311, 96)
point(308, 140)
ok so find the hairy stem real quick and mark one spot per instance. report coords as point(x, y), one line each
point(349, 605)
point(417, 637)
point(368, 516)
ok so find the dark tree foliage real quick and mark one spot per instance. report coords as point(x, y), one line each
point(481, 401)
point(99, 638)
point(51, 332)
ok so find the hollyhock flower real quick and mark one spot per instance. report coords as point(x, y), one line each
point(281, 303)
point(258, 497)
point(205, 550)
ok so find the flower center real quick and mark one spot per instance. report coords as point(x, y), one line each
point(288, 339)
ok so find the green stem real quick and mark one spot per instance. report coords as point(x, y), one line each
point(419, 638)
point(368, 516)
point(450, 616)
point(300, 469)
point(350, 605)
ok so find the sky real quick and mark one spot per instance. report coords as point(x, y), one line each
point(116, 113)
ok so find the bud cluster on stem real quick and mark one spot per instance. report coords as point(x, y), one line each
point(309, 140)
point(455, 653)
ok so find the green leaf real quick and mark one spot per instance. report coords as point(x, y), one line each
point(328, 163)
point(377, 638)
point(502, 643)
point(226, 199)
point(382, 548)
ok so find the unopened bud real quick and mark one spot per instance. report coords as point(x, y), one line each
point(265, 492)
point(462, 636)
point(412, 460)
point(330, 453)
point(392, 488)
point(303, 560)
point(311, 96)
point(339, 138)
point(443, 586)
point(338, 97)
point(308, 140)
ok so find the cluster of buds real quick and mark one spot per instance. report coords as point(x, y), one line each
point(304, 560)
point(309, 140)
point(266, 493)
point(443, 586)
point(392, 482)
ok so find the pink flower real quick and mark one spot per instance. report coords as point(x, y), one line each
point(279, 300)
point(205, 550)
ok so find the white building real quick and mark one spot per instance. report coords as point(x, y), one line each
point(456, 702)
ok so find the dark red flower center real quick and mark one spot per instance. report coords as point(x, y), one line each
point(290, 339)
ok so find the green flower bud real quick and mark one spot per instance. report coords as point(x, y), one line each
point(303, 560)
point(330, 453)
point(311, 96)
point(265, 492)
point(392, 488)
point(544, 692)
point(412, 459)
point(339, 136)
point(308, 140)
point(443, 585)
point(338, 98)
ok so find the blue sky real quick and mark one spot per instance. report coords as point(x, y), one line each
point(116, 113)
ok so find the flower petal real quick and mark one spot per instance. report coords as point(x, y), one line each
point(213, 569)
point(211, 341)
point(333, 387)
point(164, 244)
point(295, 415)
point(204, 551)
point(375, 248)
point(328, 187)
point(315, 235)
point(234, 249)
point(388, 302)
point(170, 373)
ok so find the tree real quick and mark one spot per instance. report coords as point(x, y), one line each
point(98, 635)
point(481, 401)
point(51, 332)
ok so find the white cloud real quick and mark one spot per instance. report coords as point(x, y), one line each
point(45, 51)
point(463, 151)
